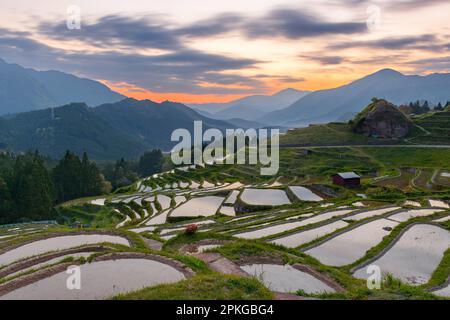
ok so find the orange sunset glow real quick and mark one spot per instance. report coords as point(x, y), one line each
point(199, 53)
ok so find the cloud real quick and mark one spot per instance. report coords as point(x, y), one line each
point(296, 24)
point(219, 24)
point(422, 42)
point(178, 68)
point(323, 59)
point(398, 5)
point(116, 30)
point(184, 70)
point(280, 78)
point(151, 31)
point(425, 65)
point(414, 4)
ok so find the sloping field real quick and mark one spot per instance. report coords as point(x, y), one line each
point(304, 194)
point(57, 244)
point(285, 278)
point(300, 238)
point(196, 207)
point(437, 125)
point(279, 228)
point(415, 256)
point(409, 214)
point(371, 213)
point(100, 281)
point(264, 197)
point(353, 244)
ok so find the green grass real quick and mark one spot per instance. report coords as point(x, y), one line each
point(94, 216)
point(442, 181)
point(324, 134)
point(295, 165)
point(411, 157)
point(438, 126)
point(442, 272)
point(204, 287)
point(182, 239)
point(402, 182)
point(323, 163)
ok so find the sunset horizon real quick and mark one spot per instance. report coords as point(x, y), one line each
point(198, 53)
point(226, 159)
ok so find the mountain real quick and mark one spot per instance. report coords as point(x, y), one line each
point(332, 104)
point(109, 131)
point(152, 123)
point(246, 108)
point(73, 127)
point(23, 89)
point(246, 124)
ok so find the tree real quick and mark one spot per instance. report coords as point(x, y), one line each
point(439, 107)
point(150, 162)
point(7, 207)
point(32, 188)
point(76, 178)
point(93, 182)
point(406, 109)
point(67, 176)
point(120, 174)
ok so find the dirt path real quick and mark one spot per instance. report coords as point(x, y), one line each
point(153, 244)
point(219, 263)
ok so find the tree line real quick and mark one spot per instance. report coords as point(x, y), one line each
point(31, 184)
point(418, 108)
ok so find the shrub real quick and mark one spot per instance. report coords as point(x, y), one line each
point(191, 229)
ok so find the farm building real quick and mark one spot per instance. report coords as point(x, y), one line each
point(347, 179)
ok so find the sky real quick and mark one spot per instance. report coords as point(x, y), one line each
point(201, 51)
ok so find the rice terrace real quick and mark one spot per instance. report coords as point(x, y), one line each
point(343, 195)
point(295, 234)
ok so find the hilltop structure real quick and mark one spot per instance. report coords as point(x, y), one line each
point(382, 119)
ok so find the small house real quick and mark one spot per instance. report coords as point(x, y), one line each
point(77, 225)
point(304, 152)
point(347, 179)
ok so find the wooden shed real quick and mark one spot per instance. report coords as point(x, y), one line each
point(347, 179)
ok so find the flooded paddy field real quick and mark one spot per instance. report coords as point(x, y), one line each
point(100, 281)
point(304, 194)
point(264, 197)
point(57, 244)
point(409, 214)
point(285, 278)
point(415, 256)
point(349, 246)
point(303, 237)
point(202, 206)
point(283, 227)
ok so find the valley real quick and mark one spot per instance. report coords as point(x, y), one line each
point(219, 225)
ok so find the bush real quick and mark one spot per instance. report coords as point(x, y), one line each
point(191, 229)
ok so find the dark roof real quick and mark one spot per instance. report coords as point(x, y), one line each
point(348, 175)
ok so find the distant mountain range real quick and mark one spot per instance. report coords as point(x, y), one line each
point(109, 131)
point(119, 127)
point(251, 107)
point(344, 102)
point(23, 89)
point(152, 123)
